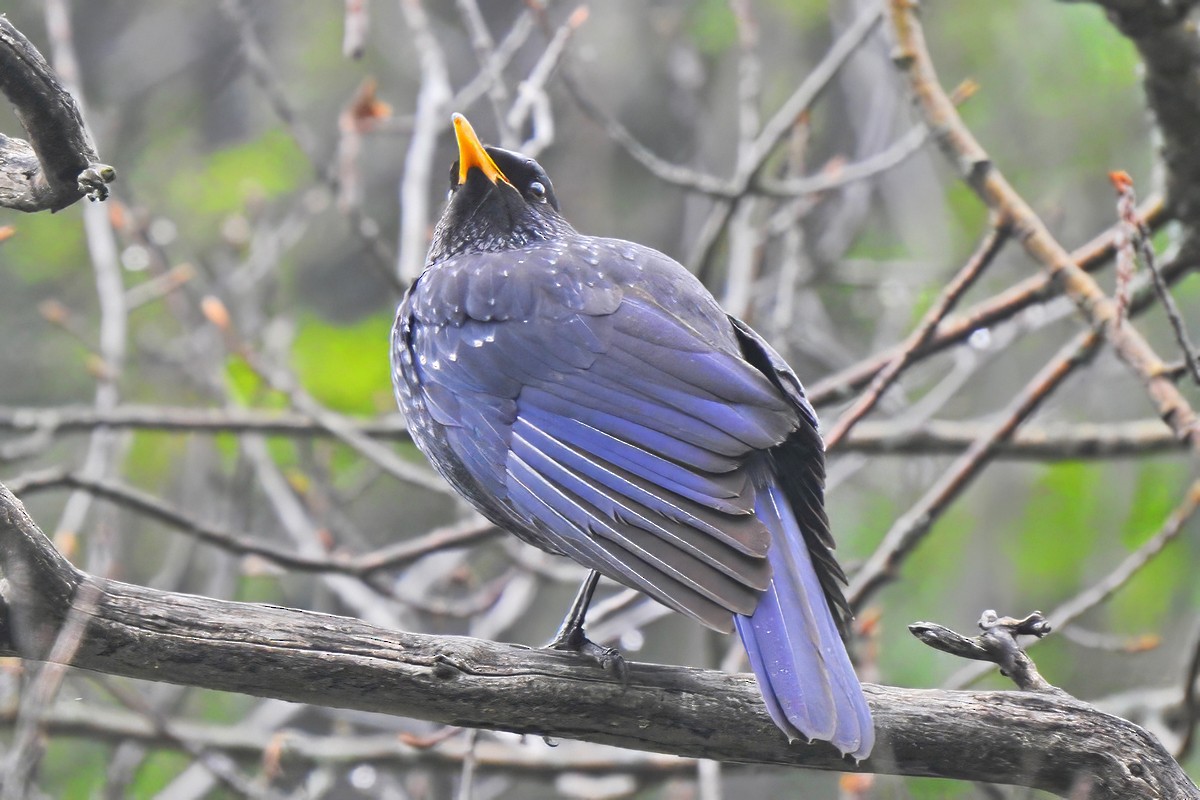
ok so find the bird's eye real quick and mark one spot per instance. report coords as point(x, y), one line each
point(537, 191)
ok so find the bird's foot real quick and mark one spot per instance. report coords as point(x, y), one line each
point(572, 639)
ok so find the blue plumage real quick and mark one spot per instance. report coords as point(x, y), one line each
point(591, 397)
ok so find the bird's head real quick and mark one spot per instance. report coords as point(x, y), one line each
point(499, 200)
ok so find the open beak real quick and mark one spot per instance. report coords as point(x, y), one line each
point(471, 153)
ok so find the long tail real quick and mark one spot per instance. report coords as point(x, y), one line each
point(797, 655)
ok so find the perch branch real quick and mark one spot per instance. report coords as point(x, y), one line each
point(1024, 738)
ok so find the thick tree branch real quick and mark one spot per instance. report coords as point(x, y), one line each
point(59, 163)
point(1037, 740)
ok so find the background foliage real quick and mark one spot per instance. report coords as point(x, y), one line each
point(227, 208)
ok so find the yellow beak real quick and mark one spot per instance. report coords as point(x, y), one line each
point(472, 154)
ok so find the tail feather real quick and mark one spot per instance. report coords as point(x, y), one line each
point(796, 653)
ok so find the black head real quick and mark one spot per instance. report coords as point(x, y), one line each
point(499, 200)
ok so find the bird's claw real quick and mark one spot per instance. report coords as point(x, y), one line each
point(94, 180)
point(608, 658)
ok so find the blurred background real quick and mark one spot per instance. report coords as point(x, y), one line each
point(280, 167)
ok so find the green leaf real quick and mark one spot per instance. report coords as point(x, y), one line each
point(46, 247)
point(1143, 602)
point(346, 367)
point(266, 167)
point(74, 768)
point(713, 27)
point(158, 769)
point(151, 455)
point(1062, 519)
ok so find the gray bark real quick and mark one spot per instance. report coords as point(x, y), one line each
point(1044, 740)
point(59, 163)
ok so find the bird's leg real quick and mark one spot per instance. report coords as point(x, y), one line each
point(571, 637)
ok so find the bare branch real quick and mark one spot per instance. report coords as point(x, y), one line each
point(59, 164)
point(52, 420)
point(1050, 442)
point(241, 740)
point(997, 644)
point(978, 171)
point(429, 121)
point(356, 23)
point(1005, 305)
point(1137, 236)
point(1165, 36)
point(300, 656)
point(947, 298)
point(1191, 703)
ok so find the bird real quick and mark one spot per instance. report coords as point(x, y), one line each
point(590, 396)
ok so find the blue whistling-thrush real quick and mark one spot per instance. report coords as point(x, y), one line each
point(591, 397)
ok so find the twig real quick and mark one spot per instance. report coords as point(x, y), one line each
point(1138, 237)
point(745, 237)
point(218, 766)
point(531, 93)
point(258, 64)
point(997, 644)
point(59, 419)
point(1191, 704)
point(249, 741)
point(356, 23)
point(362, 114)
point(837, 174)
point(391, 557)
point(466, 774)
point(103, 448)
point(507, 48)
point(772, 133)
point(284, 381)
point(24, 754)
point(1097, 593)
point(261, 71)
point(947, 299)
point(429, 120)
point(1034, 289)
point(489, 67)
